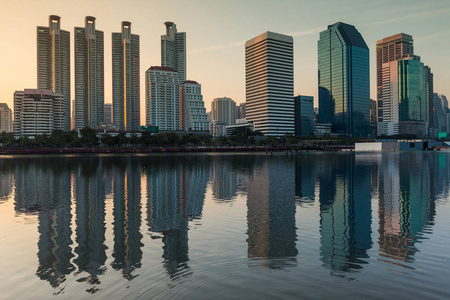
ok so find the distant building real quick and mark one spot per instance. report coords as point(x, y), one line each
point(223, 110)
point(173, 50)
point(126, 79)
point(441, 111)
point(304, 115)
point(269, 81)
point(241, 125)
point(107, 113)
point(241, 111)
point(38, 111)
point(217, 128)
point(193, 112)
point(53, 62)
point(162, 98)
point(5, 118)
point(89, 75)
point(344, 83)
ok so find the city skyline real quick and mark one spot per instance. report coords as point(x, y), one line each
point(218, 60)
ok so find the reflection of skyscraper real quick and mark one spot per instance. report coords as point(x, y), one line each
point(89, 191)
point(42, 187)
point(271, 214)
point(304, 178)
point(127, 217)
point(345, 218)
point(405, 207)
point(6, 178)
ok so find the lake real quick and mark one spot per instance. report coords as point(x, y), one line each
point(225, 226)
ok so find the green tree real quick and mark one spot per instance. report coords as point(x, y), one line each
point(88, 136)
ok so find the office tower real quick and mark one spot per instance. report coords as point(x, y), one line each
point(53, 62)
point(108, 113)
point(5, 118)
point(429, 99)
point(38, 112)
point(126, 82)
point(373, 111)
point(223, 110)
point(344, 83)
point(89, 75)
point(441, 111)
point(162, 98)
point(241, 111)
point(304, 115)
point(193, 111)
point(389, 49)
point(269, 80)
point(173, 50)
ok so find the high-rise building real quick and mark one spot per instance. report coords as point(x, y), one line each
point(89, 75)
point(223, 110)
point(126, 80)
point(107, 119)
point(173, 50)
point(193, 111)
point(304, 115)
point(389, 49)
point(441, 111)
point(53, 62)
point(344, 83)
point(429, 78)
point(241, 111)
point(38, 111)
point(162, 98)
point(5, 118)
point(269, 80)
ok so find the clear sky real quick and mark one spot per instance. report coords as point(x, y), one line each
point(216, 32)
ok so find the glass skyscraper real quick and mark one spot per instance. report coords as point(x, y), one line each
point(344, 83)
point(413, 105)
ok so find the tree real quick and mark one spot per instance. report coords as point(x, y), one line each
point(107, 139)
point(88, 136)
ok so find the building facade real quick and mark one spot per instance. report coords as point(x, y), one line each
point(53, 62)
point(173, 50)
point(107, 118)
point(304, 115)
point(269, 81)
point(223, 110)
point(193, 111)
point(241, 111)
point(126, 80)
point(89, 75)
point(6, 119)
point(38, 111)
point(344, 83)
point(162, 98)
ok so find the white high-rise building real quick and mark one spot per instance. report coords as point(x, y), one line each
point(89, 75)
point(53, 62)
point(38, 111)
point(193, 111)
point(126, 80)
point(269, 80)
point(173, 50)
point(5, 118)
point(223, 110)
point(162, 98)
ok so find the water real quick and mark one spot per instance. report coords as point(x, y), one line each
point(225, 226)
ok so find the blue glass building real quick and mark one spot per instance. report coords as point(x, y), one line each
point(344, 83)
point(304, 115)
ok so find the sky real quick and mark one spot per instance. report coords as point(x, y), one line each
point(216, 31)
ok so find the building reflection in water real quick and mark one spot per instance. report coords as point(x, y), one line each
point(345, 212)
point(271, 213)
point(176, 191)
point(89, 193)
point(127, 252)
point(229, 176)
point(6, 178)
point(42, 187)
point(304, 180)
point(406, 204)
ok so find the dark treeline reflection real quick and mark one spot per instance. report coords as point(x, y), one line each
point(163, 195)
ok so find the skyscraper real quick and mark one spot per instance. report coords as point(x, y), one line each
point(223, 110)
point(173, 50)
point(344, 83)
point(89, 75)
point(162, 98)
point(193, 112)
point(389, 49)
point(126, 83)
point(107, 113)
point(53, 62)
point(304, 115)
point(5, 118)
point(269, 80)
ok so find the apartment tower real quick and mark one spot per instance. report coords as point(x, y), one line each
point(173, 50)
point(126, 83)
point(193, 112)
point(53, 62)
point(89, 75)
point(269, 79)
